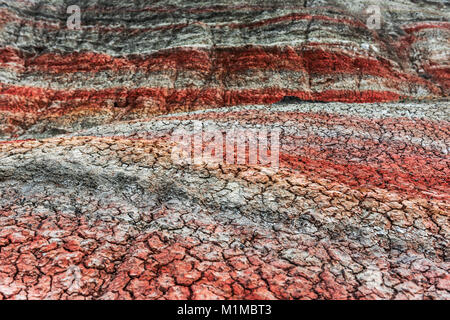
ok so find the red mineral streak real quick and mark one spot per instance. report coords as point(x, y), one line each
point(12, 58)
point(221, 62)
point(38, 98)
point(182, 59)
point(358, 176)
point(361, 163)
point(441, 74)
point(16, 141)
point(357, 163)
point(228, 60)
point(422, 26)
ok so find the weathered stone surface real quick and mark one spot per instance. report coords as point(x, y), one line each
point(136, 59)
point(107, 214)
point(93, 205)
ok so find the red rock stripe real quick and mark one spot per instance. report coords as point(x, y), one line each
point(230, 60)
point(406, 173)
point(365, 176)
point(16, 141)
point(37, 97)
point(369, 176)
point(422, 26)
point(412, 159)
point(440, 74)
point(419, 165)
point(12, 59)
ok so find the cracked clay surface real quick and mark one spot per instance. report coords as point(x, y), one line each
point(94, 206)
point(107, 214)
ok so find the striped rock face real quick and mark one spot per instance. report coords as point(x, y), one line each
point(147, 154)
point(132, 61)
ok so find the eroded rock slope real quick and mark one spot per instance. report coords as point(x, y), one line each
point(94, 206)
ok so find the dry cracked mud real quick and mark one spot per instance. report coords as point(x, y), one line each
point(94, 206)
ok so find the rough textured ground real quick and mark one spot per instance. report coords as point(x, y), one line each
point(135, 59)
point(92, 205)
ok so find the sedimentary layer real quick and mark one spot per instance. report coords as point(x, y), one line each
point(94, 205)
point(141, 59)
